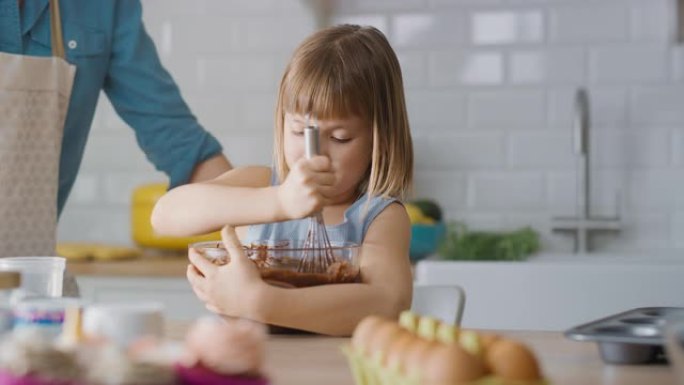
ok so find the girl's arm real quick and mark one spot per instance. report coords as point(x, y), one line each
point(238, 197)
point(386, 286)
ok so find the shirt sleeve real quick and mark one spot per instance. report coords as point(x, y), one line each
point(147, 99)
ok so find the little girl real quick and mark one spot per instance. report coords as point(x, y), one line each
point(349, 78)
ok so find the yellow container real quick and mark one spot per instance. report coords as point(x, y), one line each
point(144, 199)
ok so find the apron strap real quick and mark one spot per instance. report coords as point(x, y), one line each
point(57, 41)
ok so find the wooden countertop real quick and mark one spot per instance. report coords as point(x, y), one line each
point(149, 265)
point(302, 360)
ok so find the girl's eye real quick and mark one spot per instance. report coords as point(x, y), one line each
point(341, 140)
point(298, 133)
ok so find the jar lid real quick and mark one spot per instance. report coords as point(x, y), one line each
point(10, 279)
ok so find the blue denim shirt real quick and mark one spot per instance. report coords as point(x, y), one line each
point(107, 42)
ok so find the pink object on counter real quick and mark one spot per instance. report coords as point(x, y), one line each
point(198, 375)
point(10, 379)
point(226, 346)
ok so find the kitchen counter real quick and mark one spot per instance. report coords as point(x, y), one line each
point(302, 360)
point(149, 265)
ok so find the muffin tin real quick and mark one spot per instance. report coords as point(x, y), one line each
point(631, 337)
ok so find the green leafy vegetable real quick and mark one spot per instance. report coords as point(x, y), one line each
point(463, 244)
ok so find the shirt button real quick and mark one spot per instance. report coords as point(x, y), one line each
point(72, 44)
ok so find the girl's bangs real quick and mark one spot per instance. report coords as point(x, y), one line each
point(323, 95)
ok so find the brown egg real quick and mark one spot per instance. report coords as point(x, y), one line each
point(487, 340)
point(364, 331)
point(395, 358)
point(512, 360)
point(451, 364)
point(383, 336)
point(416, 354)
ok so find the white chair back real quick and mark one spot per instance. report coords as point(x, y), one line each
point(444, 302)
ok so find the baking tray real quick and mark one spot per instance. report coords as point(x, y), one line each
point(631, 337)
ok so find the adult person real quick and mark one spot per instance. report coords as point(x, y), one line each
point(55, 58)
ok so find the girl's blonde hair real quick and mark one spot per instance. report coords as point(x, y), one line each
point(350, 70)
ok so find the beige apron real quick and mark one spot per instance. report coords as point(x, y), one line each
point(34, 97)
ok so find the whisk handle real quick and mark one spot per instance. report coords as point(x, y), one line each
point(312, 141)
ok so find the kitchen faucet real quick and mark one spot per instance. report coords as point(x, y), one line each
point(583, 224)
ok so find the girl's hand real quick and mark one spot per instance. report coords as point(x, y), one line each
point(230, 289)
point(307, 188)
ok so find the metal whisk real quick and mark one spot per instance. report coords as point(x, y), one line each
point(318, 253)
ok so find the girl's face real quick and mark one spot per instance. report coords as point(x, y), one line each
point(346, 141)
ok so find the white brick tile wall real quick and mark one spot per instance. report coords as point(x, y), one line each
point(507, 27)
point(427, 110)
point(616, 148)
point(490, 88)
point(544, 150)
point(507, 191)
point(678, 148)
point(553, 66)
point(413, 68)
point(444, 186)
point(588, 22)
point(637, 63)
point(442, 29)
point(507, 109)
point(656, 106)
point(461, 151)
point(562, 193)
point(449, 68)
point(652, 20)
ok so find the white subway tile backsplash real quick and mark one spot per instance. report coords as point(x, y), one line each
point(649, 231)
point(677, 231)
point(657, 106)
point(95, 223)
point(653, 20)
point(617, 148)
point(459, 151)
point(678, 148)
point(245, 150)
point(552, 66)
point(507, 191)
point(654, 189)
point(209, 35)
point(629, 63)
point(563, 194)
point(540, 149)
point(588, 22)
point(507, 27)
point(86, 189)
point(465, 68)
point(418, 30)
point(413, 68)
point(448, 188)
point(118, 187)
point(505, 109)
point(427, 110)
point(243, 72)
point(257, 113)
point(274, 34)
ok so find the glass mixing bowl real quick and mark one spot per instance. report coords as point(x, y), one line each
point(280, 263)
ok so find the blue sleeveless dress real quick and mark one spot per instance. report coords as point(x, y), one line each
point(357, 219)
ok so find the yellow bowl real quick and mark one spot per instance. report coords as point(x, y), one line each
point(143, 201)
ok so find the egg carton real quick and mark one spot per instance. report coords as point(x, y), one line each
point(631, 337)
point(377, 365)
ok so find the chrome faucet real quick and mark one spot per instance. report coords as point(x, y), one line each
point(583, 224)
